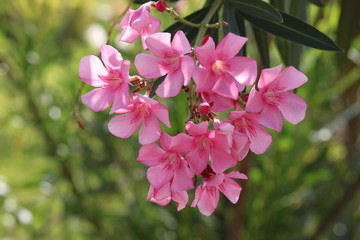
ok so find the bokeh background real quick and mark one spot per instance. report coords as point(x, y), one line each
point(59, 181)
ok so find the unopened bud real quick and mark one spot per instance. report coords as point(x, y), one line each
point(160, 6)
point(204, 108)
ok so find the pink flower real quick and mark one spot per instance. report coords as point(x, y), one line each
point(141, 110)
point(249, 133)
point(171, 61)
point(273, 101)
point(164, 195)
point(223, 72)
point(139, 23)
point(207, 144)
point(111, 80)
point(207, 194)
point(167, 165)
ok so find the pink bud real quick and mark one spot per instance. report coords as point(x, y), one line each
point(204, 108)
point(160, 6)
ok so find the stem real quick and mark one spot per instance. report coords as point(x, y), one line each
point(206, 20)
point(194, 25)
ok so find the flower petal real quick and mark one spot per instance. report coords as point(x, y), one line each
point(259, 141)
point(187, 68)
point(182, 178)
point(128, 35)
point(196, 129)
point(111, 57)
point(90, 70)
point(229, 46)
point(208, 201)
point(290, 78)
point(150, 154)
point(203, 79)
point(98, 99)
point(243, 69)
point(180, 143)
point(226, 87)
point(159, 175)
point(171, 86)
point(292, 107)
point(150, 130)
point(197, 161)
point(180, 43)
point(121, 98)
point(162, 113)
point(159, 43)
point(151, 196)
point(149, 66)
point(205, 53)
point(124, 126)
point(268, 75)
point(230, 189)
point(181, 198)
point(254, 102)
point(271, 117)
point(221, 160)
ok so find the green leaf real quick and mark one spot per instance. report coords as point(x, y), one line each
point(229, 17)
point(258, 9)
point(295, 30)
point(156, 85)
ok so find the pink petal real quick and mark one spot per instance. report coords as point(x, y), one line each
point(208, 201)
point(150, 154)
point(292, 107)
point(125, 68)
point(226, 87)
point(221, 160)
point(187, 68)
point(268, 75)
point(197, 161)
point(203, 79)
point(236, 174)
point(90, 68)
point(205, 53)
point(230, 189)
point(98, 99)
point(260, 141)
point(199, 191)
point(271, 117)
point(181, 198)
point(150, 130)
point(128, 35)
point(159, 175)
point(124, 126)
point(196, 129)
point(243, 69)
point(111, 57)
point(180, 43)
point(121, 98)
point(180, 143)
point(215, 180)
point(151, 197)
point(290, 78)
point(237, 114)
point(220, 103)
point(160, 194)
point(254, 102)
point(152, 27)
point(241, 146)
point(182, 178)
point(171, 86)
point(149, 66)
point(125, 21)
point(229, 46)
point(162, 113)
point(159, 43)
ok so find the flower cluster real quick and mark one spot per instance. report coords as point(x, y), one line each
point(217, 79)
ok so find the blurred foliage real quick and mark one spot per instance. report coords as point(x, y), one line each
point(58, 181)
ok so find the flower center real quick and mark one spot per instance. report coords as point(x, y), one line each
point(218, 67)
point(172, 158)
point(112, 79)
point(271, 97)
point(142, 110)
point(203, 142)
point(171, 62)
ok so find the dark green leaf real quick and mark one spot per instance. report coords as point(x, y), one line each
point(295, 30)
point(319, 3)
point(229, 17)
point(156, 85)
point(258, 9)
point(241, 24)
point(262, 44)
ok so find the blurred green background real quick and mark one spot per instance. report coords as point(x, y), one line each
point(58, 181)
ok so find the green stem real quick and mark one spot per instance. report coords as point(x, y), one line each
point(206, 20)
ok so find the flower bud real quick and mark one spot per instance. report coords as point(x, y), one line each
point(204, 108)
point(160, 6)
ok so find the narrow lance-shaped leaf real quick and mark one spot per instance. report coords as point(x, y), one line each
point(156, 85)
point(319, 3)
point(295, 30)
point(258, 9)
